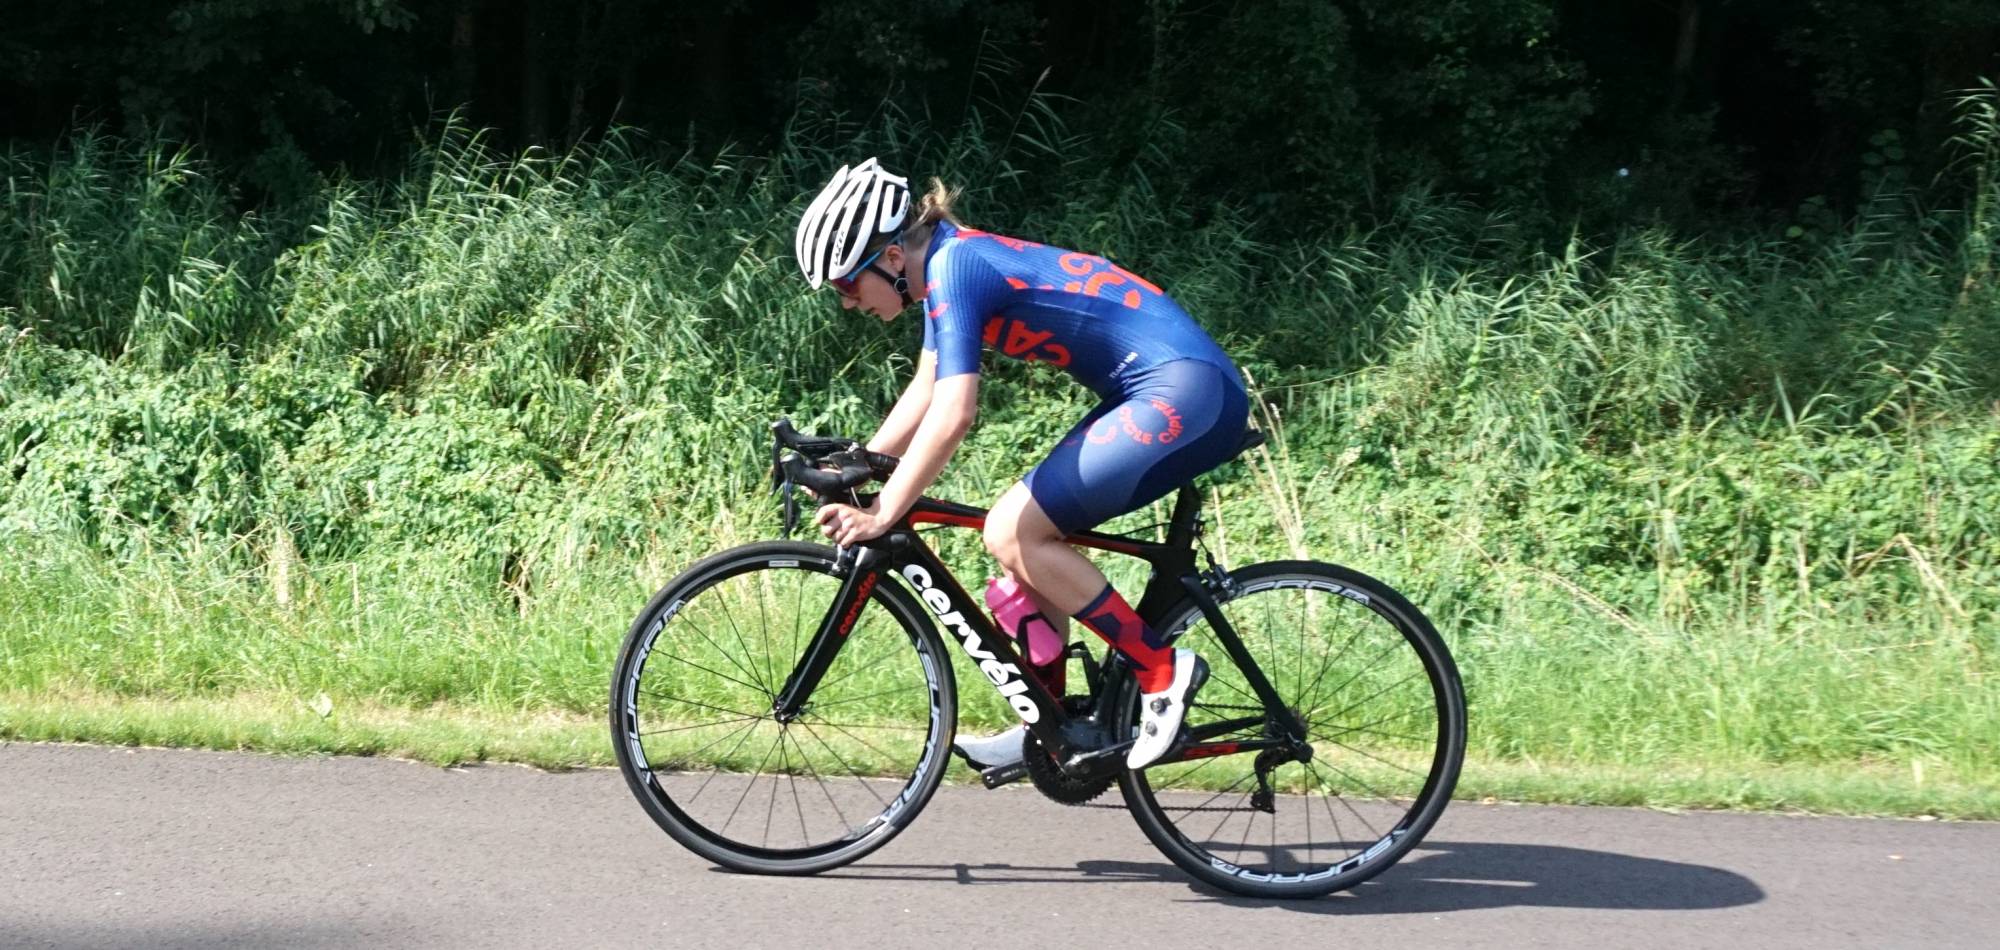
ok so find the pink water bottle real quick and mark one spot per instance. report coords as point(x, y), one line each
point(1018, 615)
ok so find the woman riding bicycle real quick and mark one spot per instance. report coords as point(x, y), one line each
point(1172, 405)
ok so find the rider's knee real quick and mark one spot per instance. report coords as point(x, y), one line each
point(1002, 540)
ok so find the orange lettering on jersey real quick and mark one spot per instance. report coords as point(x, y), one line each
point(1098, 280)
point(992, 334)
point(1132, 299)
point(1078, 264)
point(1021, 340)
point(1058, 354)
point(1135, 278)
point(1017, 283)
point(1101, 432)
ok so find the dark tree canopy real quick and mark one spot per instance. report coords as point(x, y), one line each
point(1650, 106)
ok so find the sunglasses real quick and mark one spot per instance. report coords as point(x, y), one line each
point(850, 285)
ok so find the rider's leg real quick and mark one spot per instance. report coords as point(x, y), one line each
point(1065, 583)
point(1059, 578)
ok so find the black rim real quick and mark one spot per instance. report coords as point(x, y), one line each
point(1384, 726)
point(704, 744)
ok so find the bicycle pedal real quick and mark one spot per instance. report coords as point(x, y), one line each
point(1003, 774)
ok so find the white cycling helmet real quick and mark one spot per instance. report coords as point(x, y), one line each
point(856, 206)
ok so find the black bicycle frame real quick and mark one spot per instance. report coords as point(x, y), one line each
point(1174, 576)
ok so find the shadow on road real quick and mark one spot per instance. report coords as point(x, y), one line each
point(1438, 877)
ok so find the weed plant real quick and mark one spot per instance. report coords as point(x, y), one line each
point(1720, 499)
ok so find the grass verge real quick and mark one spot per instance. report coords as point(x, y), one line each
point(450, 734)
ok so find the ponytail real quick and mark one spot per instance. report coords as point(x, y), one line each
point(933, 206)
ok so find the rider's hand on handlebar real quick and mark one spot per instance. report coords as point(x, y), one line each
point(848, 525)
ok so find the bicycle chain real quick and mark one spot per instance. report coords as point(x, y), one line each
point(1049, 778)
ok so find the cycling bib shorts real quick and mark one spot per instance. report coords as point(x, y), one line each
point(1182, 419)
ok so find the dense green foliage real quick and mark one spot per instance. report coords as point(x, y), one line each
point(433, 438)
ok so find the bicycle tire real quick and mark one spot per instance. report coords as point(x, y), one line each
point(1342, 609)
point(720, 673)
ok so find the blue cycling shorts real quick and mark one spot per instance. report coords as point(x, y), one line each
point(1172, 423)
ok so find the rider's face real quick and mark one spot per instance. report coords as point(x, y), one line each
point(873, 293)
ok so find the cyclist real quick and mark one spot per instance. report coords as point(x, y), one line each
point(1172, 405)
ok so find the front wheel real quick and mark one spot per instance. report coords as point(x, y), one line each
point(1384, 715)
point(696, 735)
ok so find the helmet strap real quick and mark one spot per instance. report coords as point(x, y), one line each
point(898, 281)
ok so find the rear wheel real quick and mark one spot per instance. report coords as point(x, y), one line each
point(693, 726)
point(1385, 735)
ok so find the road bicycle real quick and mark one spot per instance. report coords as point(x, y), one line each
point(787, 708)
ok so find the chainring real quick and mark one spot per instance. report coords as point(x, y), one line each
point(1049, 777)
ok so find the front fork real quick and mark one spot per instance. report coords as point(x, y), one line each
point(857, 583)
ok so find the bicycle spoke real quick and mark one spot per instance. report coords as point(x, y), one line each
point(1326, 666)
point(868, 725)
point(712, 743)
point(825, 789)
point(1330, 724)
point(844, 763)
point(699, 631)
point(1352, 675)
point(748, 731)
point(1228, 813)
point(1184, 776)
point(1351, 706)
point(771, 807)
point(1377, 732)
point(747, 786)
point(676, 699)
point(699, 725)
point(728, 639)
point(770, 674)
point(1232, 787)
point(1331, 795)
point(851, 673)
point(791, 777)
point(858, 699)
point(704, 669)
point(1309, 829)
point(1367, 754)
point(1327, 800)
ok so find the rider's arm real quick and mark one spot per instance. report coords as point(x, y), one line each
point(954, 403)
point(893, 438)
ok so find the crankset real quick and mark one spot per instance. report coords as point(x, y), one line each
point(1048, 774)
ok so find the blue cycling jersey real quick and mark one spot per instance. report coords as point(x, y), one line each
point(1101, 323)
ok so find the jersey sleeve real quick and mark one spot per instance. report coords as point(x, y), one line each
point(964, 290)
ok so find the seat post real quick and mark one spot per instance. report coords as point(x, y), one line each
point(1187, 509)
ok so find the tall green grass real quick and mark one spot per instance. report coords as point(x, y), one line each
point(434, 439)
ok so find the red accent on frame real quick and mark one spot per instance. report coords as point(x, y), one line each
point(971, 521)
point(939, 517)
point(1211, 750)
point(860, 598)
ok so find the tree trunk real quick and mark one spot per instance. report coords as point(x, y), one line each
point(1684, 48)
point(534, 74)
point(464, 55)
point(584, 57)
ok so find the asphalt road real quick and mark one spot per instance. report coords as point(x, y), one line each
point(103, 847)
